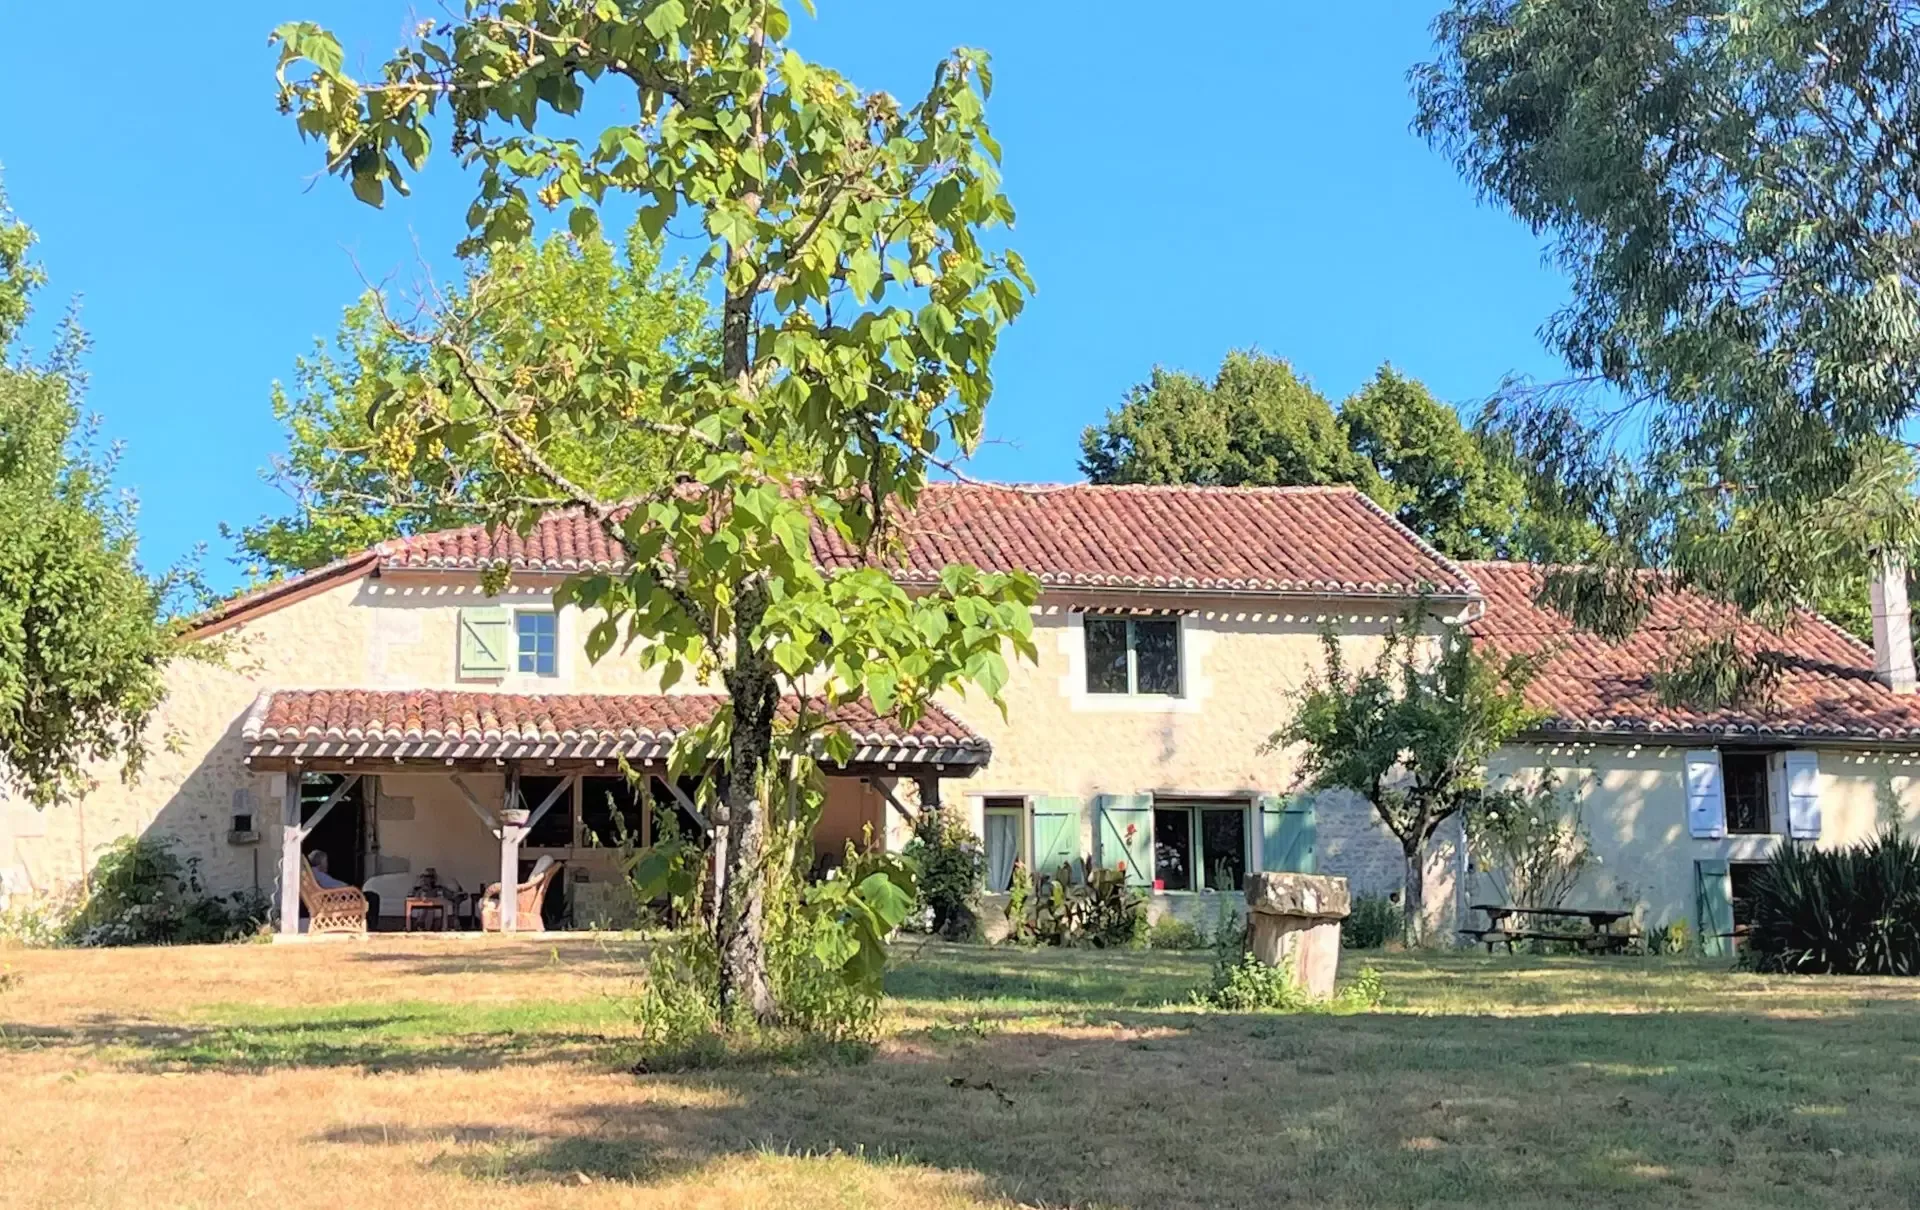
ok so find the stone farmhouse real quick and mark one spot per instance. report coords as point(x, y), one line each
point(388, 711)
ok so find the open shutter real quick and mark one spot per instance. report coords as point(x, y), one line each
point(1288, 833)
point(1706, 795)
point(1126, 835)
point(1056, 836)
point(1803, 795)
point(1713, 890)
point(483, 641)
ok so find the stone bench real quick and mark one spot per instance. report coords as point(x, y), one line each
point(1295, 918)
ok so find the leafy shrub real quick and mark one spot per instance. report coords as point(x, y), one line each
point(1532, 842)
point(1172, 933)
point(144, 894)
point(952, 868)
point(1374, 921)
point(1674, 937)
point(1852, 911)
point(826, 955)
point(1103, 911)
point(38, 922)
point(1019, 899)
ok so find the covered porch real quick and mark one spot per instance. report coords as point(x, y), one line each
point(440, 794)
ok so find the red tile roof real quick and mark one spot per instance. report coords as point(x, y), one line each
point(458, 724)
point(1288, 540)
point(1589, 685)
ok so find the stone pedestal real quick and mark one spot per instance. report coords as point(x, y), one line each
point(1295, 918)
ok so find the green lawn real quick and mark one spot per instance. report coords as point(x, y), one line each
point(422, 1074)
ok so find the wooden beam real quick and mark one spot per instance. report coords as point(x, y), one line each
point(473, 801)
point(686, 804)
point(290, 838)
point(553, 796)
point(339, 792)
point(510, 837)
point(886, 791)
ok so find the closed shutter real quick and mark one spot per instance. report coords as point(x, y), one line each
point(1126, 835)
point(1713, 889)
point(483, 642)
point(1803, 795)
point(1706, 795)
point(1288, 833)
point(1056, 836)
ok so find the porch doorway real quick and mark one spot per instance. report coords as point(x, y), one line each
point(342, 834)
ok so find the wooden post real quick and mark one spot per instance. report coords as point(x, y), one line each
point(290, 838)
point(510, 837)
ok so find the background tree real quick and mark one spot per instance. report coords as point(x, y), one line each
point(345, 495)
point(1731, 188)
point(1258, 423)
point(1411, 733)
point(859, 314)
point(81, 646)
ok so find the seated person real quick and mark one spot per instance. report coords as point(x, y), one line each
point(318, 860)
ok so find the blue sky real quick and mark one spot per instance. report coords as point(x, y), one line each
point(1189, 181)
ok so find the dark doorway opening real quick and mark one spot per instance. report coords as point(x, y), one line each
point(342, 834)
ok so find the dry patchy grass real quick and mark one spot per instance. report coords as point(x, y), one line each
point(441, 1072)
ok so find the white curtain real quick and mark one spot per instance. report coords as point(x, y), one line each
point(1003, 847)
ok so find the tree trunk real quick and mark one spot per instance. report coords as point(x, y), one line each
point(1413, 899)
point(741, 932)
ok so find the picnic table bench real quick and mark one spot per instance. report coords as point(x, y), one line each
point(1602, 940)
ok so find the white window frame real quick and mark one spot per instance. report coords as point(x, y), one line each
point(1195, 807)
point(553, 616)
point(1133, 656)
point(1022, 833)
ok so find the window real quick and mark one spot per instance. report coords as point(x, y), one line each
point(1133, 655)
point(539, 640)
point(1198, 847)
point(1747, 777)
point(1005, 827)
point(554, 830)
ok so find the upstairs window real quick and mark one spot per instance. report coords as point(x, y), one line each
point(1133, 655)
point(538, 636)
point(1748, 781)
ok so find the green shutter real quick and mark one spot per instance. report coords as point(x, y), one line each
point(1714, 891)
point(1118, 847)
point(483, 641)
point(1056, 836)
point(1288, 833)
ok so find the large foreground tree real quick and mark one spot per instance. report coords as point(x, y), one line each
point(1732, 188)
point(81, 643)
point(859, 311)
point(345, 495)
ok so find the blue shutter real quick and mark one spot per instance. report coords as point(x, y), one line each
point(1713, 890)
point(1288, 833)
point(1120, 847)
point(1056, 837)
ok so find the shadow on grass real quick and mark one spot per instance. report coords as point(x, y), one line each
point(376, 1042)
point(1169, 1108)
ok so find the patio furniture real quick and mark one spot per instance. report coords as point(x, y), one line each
point(431, 911)
point(1538, 927)
point(531, 898)
point(391, 892)
point(341, 909)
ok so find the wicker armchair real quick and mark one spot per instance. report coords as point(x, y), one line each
point(341, 909)
point(532, 897)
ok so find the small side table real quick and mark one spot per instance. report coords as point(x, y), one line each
point(432, 913)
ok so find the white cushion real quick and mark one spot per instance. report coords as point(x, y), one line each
point(540, 867)
point(392, 889)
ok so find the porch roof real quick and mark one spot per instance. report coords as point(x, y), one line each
point(453, 726)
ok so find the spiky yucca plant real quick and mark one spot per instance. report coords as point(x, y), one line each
point(1852, 911)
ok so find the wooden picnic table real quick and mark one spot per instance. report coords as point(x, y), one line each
point(1602, 940)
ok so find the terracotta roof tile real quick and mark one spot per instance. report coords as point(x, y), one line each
point(1263, 540)
point(1826, 686)
point(433, 722)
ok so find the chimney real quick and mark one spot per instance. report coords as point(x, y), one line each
point(1892, 623)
